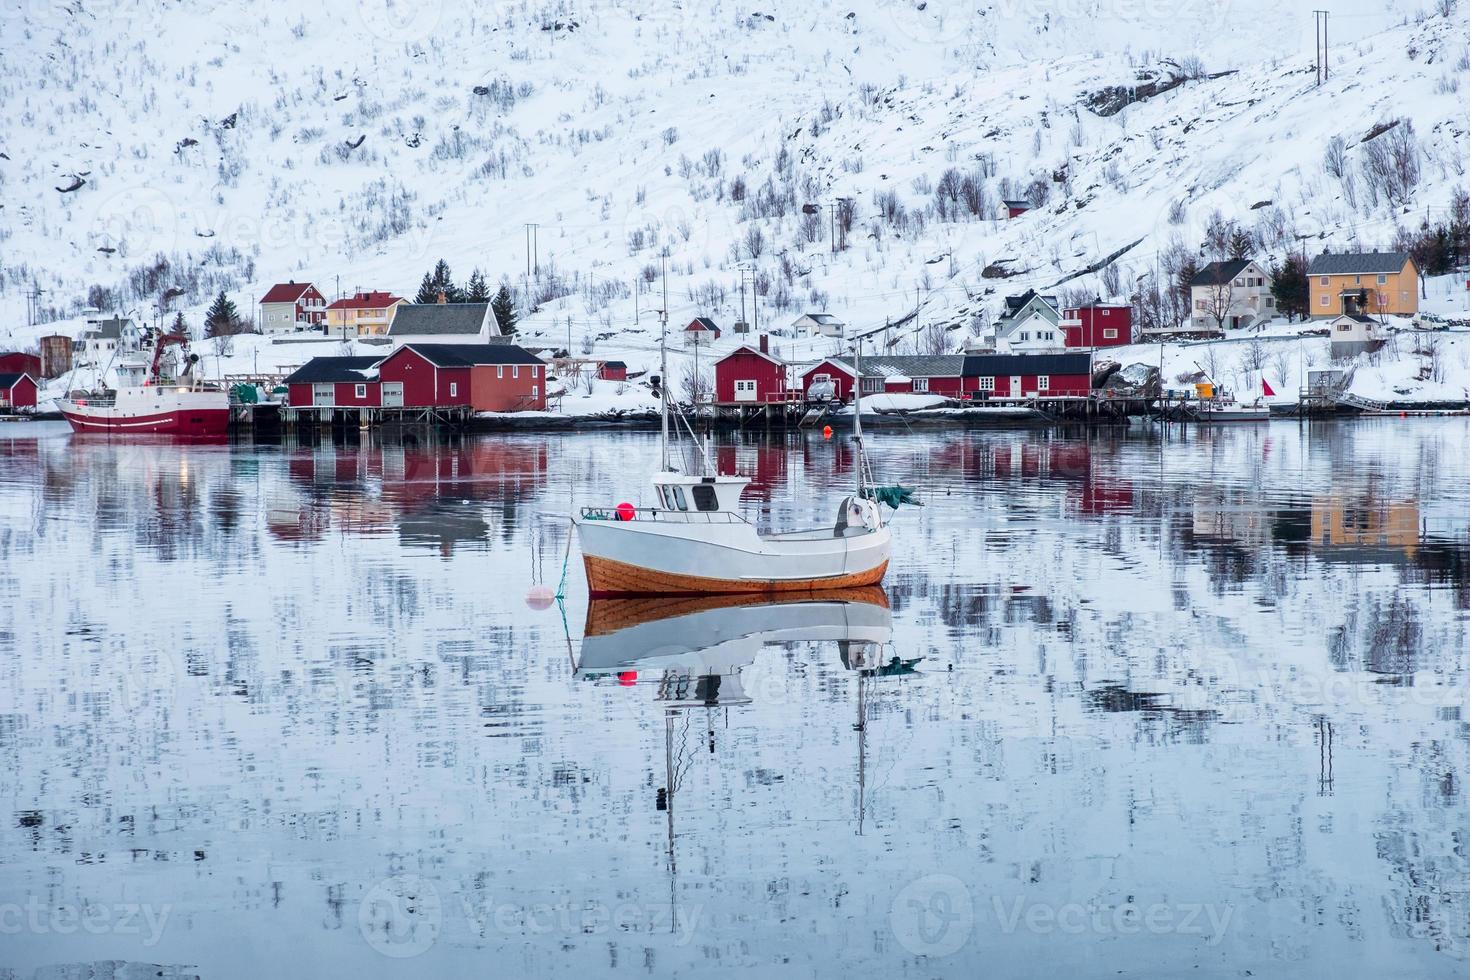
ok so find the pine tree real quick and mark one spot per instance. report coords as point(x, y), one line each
point(478, 291)
point(1241, 243)
point(1290, 287)
point(504, 309)
point(222, 319)
point(436, 282)
point(179, 326)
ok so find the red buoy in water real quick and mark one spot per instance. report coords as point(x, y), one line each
point(826, 432)
point(540, 597)
point(626, 511)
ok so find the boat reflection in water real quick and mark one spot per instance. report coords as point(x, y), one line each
point(697, 646)
point(694, 649)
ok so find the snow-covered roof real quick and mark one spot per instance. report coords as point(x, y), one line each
point(1219, 273)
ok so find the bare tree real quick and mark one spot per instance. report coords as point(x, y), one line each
point(1334, 158)
point(1218, 299)
point(695, 386)
point(755, 242)
point(933, 340)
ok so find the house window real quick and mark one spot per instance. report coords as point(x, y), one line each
point(1106, 312)
point(359, 391)
point(1110, 334)
point(1239, 282)
point(1344, 328)
point(1324, 281)
point(872, 384)
point(534, 369)
point(515, 370)
point(535, 392)
point(1324, 300)
point(453, 389)
point(987, 384)
point(1043, 382)
point(1382, 280)
point(921, 384)
point(499, 371)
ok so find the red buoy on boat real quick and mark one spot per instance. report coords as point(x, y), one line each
point(626, 511)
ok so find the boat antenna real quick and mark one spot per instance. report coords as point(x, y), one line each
point(663, 377)
point(857, 413)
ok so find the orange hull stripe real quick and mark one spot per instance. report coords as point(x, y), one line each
point(606, 616)
point(606, 577)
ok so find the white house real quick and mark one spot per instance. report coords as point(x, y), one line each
point(1030, 323)
point(1230, 296)
point(443, 323)
point(289, 306)
point(701, 332)
point(101, 339)
point(1353, 333)
point(818, 324)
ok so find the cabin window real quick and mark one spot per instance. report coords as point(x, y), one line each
point(1110, 334)
point(667, 497)
point(679, 500)
point(987, 384)
point(360, 391)
point(704, 497)
point(453, 389)
point(1043, 382)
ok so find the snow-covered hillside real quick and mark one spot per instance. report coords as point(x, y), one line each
point(218, 144)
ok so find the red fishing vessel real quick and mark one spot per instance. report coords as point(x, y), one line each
point(151, 399)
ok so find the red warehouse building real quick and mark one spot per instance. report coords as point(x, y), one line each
point(1028, 375)
point(1098, 325)
point(335, 382)
point(19, 363)
point(937, 374)
point(483, 377)
point(750, 375)
point(17, 390)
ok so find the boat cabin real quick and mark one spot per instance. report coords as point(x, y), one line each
point(698, 494)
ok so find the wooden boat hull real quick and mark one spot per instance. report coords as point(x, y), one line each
point(673, 556)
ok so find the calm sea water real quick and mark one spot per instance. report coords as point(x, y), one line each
point(1129, 705)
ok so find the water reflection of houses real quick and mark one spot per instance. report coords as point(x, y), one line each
point(437, 494)
point(1071, 464)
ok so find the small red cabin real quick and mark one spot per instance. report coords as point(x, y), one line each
point(1028, 375)
point(335, 382)
point(751, 376)
point(1016, 208)
point(485, 377)
point(17, 391)
point(1098, 325)
point(612, 371)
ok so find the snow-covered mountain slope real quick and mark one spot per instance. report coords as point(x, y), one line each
point(223, 145)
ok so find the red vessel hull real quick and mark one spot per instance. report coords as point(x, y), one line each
point(182, 422)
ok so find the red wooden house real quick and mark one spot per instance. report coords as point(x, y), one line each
point(612, 371)
point(483, 377)
point(1028, 375)
point(17, 391)
point(19, 363)
point(287, 305)
point(1098, 325)
point(335, 382)
point(936, 374)
point(750, 376)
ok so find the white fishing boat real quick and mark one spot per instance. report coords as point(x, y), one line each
point(1217, 404)
point(694, 539)
point(152, 398)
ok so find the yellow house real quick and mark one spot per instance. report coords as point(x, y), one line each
point(363, 313)
point(1367, 282)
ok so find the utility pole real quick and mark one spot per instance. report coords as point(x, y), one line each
point(1321, 25)
point(533, 251)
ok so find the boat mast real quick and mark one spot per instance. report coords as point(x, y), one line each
point(663, 377)
point(857, 412)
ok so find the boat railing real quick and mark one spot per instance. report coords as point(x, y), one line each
point(662, 514)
